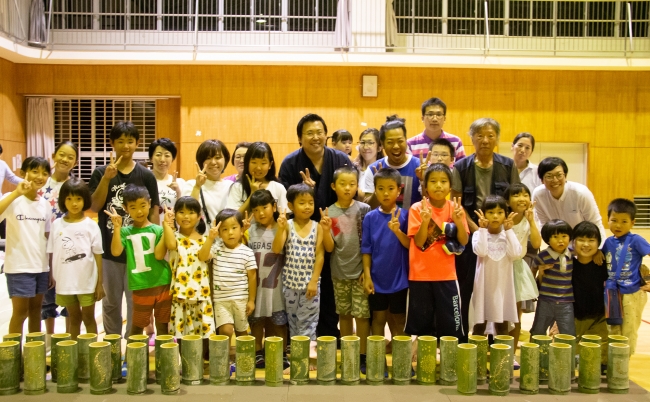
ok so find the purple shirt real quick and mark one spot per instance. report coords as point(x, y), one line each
point(420, 145)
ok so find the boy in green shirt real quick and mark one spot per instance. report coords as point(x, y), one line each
point(148, 273)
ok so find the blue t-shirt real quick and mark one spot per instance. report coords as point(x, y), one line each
point(630, 279)
point(410, 193)
point(390, 260)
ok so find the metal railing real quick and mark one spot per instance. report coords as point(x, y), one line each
point(614, 28)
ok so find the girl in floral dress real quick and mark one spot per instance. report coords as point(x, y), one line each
point(192, 312)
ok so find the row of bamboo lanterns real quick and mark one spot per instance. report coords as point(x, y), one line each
point(545, 360)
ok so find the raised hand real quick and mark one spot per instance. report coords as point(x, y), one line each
point(24, 187)
point(424, 164)
point(169, 217)
point(306, 178)
point(482, 220)
point(458, 216)
point(393, 224)
point(214, 230)
point(174, 185)
point(247, 221)
point(201, 177)
point(425, 211)
point(529, 214)
point(325, 221)
point(509, 222)
point(256, 185)
point(282, 220)
point(111, 169)
point(115, 218)
point(377, 168)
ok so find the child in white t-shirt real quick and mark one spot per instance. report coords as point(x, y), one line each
point(28, 225)
point(75, 243)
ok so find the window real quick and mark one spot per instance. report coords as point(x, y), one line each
point(88, 122)
point(312, 15)
point(414, 16)
point(640, 17)
point(71, 14)
point(530, 18)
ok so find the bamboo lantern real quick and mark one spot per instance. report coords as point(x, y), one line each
point(499, 369)
point(543, 341)
point(569, 340)
point(375, 360)
point(481, 343)
point(529, 371)
point(559, 363)
point(273, 370)
point(448, 349)
point(589, 378)
point(101, 362)
point(160, 340)
point(466, 368)
point(402, 367)
point(34, 355)
point(136, 367)
point(56, 338)
point(170, 379)
point(618, 368)
point(84, 340)
point(325, 360)
point(116, 356)
point(192, 359)
point(350, 360)
point(67, 362)
point(219, 359)
point(299, 371)
point(426, 360)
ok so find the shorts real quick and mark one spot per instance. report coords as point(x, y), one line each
point(277, 318)
point(350, 298)
point(394, 302)
point(49, 306)
point(84, 300)
point(231, 312)
point(156, 299)
point(27, 284)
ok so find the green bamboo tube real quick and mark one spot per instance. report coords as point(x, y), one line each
point(18, 338)
point(56, 338)
point(543, 341)
point(350, 360)
point(136, 367)
point(245, 360)
point(116, 356)
point(34, 354)
point(510, 341)
point(299, 371)
point(529, 371)
point(559, 363)
point(142, 338)
point(481, 343)
point(466, 368)
point(192, 359)
point(219, 346)
point(595, 339)
point(9, 367)
point(101, 378)
point(325, 360)
point(402, 366)
point(170, 378)
point(67, 362)
point(83, 372)
point(589, 378)
point(375, 359)
point(617, 339)
point(426, 360)
point(160, 339)
point(499, 369)
point(618, 368)
point(273, 346)
point(448, 349)
point(35, 337)
point(569, 340)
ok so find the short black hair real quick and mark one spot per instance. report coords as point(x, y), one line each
point(445, 143)
point(124, 127)
point(434, 102)
point(341, 135)
point(550, 163)
point(436, 167)
point(211, 148)
point(525, 135)
point(191, 204)
point(494, 201)
point(587, 229)
point(228, 213)
point(35, 162)
point(392, 122)
point(514, 189)
point(556, 226)
point(164, 143)
point(347, 169)
point(133, 192)
point(622, 206)
point(387, 173)
point(309, 118)
point(299, 189)
point(75, 187)
point(241, 144)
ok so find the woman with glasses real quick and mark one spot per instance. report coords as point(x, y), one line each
point(369, 151)
point(522, 147)
point(238, 160)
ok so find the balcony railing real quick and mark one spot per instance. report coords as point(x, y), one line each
point(614, 28)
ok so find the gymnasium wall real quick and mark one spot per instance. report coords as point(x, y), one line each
point(608, 110)
point(12, 117)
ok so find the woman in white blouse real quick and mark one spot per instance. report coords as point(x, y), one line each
point(162, 153)
point(522, 147)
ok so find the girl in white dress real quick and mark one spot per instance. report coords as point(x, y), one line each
point(496, 247)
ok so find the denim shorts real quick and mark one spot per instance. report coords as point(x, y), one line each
point(27, 284)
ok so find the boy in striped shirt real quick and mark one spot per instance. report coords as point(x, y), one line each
point(555, 271)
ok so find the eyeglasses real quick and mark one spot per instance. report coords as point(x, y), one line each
point(312, 134)
point(367, 143)
point(435, 115)
point(437, 155)
point(557, 176)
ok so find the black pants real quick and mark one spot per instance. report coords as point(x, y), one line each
point(434, 308)
point(328, 320)
point(465, 271)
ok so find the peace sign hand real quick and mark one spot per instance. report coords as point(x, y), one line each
point(214, 230)
point(424, 164)
point(247, 221)
point(282, 220)
point(377, 168)
point(255, 185)
point(529, 214)
point(201, 177)
point(393, 224)
point(509, 223)
point(174, 185)
point(111, 169)
point(425, 211)
point(458, 216)
point(482, 220)
point(24, 187)
point(169, 217)
point(325, 220)
point(116, 218)
point(306, 178)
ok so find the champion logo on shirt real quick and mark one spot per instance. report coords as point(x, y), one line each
point(21, 217)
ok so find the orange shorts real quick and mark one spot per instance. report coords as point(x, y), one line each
point(155, 299)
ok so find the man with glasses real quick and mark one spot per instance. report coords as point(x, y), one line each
point(434, 114)
point(559, 198)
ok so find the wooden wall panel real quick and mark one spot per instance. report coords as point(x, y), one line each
point(168, 125)
point(12, 117)
point(608, 110)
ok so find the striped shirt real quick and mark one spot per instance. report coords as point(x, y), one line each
point(420, 145)
point(556, 286)
point(229, 268)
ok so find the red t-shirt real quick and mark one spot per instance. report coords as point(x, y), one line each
point(432, 263)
